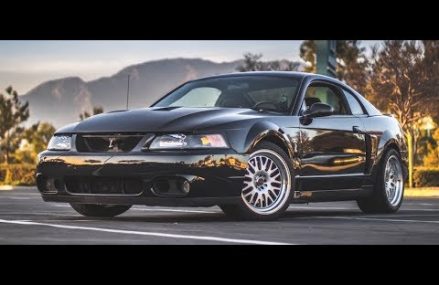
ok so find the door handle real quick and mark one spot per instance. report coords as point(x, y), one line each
point(357, 129)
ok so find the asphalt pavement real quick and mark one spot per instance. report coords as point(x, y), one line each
point(26, 219)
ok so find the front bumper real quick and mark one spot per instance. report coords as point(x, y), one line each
point(214, 177)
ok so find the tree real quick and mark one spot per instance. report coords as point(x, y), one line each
point(253, 62)
point(396, 84)
point(430, 68)
point(432, 159)
point(13, 112)
point(352, 62)
point(39, 135)
point(96, 110)
point(353, 65)
point(308, 54)
point(33, 141)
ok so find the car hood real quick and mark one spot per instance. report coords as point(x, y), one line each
point(163, 119)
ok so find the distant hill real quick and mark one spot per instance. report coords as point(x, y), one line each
point(61, 101)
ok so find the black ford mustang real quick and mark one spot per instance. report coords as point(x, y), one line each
point(251, 143)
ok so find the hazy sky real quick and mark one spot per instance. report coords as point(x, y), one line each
point(25, 64)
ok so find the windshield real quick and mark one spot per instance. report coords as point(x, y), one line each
point(255, 92)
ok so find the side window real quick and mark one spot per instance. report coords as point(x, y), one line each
point(353, 103)
point(326, 94)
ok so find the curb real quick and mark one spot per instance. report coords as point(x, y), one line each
point(414, 193)
point(6, 187)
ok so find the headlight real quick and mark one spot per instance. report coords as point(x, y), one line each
point(60, 143)
point(180, 141)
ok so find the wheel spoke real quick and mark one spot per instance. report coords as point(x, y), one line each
point(276, 176)
point(269, 166)
point(248, 187)
point(259, 163)
point(268, 196)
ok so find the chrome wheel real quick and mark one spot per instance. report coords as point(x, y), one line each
point(393, 181)
point(267, 182)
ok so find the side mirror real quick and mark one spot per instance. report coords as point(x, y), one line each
point(318, 110)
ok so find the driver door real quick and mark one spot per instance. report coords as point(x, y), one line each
point(333, 149)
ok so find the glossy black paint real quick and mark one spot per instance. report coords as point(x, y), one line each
point(333, 157)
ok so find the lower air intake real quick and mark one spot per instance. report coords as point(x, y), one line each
point(103, 185)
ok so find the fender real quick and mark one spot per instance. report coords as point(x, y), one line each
point(262, 130)
point(385, 141)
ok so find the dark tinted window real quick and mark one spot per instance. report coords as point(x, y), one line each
point(353, 103)
point(262, 92)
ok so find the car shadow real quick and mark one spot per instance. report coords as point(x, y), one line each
point(320, 213)
point(159, 217)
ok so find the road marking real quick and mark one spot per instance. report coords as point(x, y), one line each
point(155, 209)
point(384, 220)
point(174, 210)
point(319, 208)
point(61, 205)
point(421, 210)
point(16, 197)
point(314, 208)
point(155, 234)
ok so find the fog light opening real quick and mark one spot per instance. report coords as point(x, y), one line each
point(161, 186)
point(185, 187)
point(171, 187)
point(49, 185)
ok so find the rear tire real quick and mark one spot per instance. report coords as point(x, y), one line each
point(266, 192)
point(388, 192)
point(100, 211)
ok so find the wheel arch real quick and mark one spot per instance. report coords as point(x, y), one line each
point(389, 140)
point(270, 132)
point(393, 143)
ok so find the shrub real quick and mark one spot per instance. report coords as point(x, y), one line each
point(17, 174)
point(426, 177)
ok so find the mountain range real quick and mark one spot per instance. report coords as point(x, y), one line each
point(61, 101)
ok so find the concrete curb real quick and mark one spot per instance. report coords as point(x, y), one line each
point(6, 187)
point(413, 193)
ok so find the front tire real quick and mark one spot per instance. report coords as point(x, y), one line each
point(266, 193)
point(100, 211)
point(389, 188)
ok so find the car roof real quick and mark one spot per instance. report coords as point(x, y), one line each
point(295, 74)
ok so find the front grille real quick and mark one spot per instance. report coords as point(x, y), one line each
point(104, 185)
point(107, 142)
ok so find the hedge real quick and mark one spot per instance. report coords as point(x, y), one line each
point(426, 177)
point(17, 174)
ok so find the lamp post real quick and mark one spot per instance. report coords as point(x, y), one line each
point(427, 123)
point(429, 126)
point(326, 58)
point(410, 154)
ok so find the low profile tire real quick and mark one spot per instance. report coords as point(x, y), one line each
point(266, 192)
point(389, 188)
point(100, 211)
